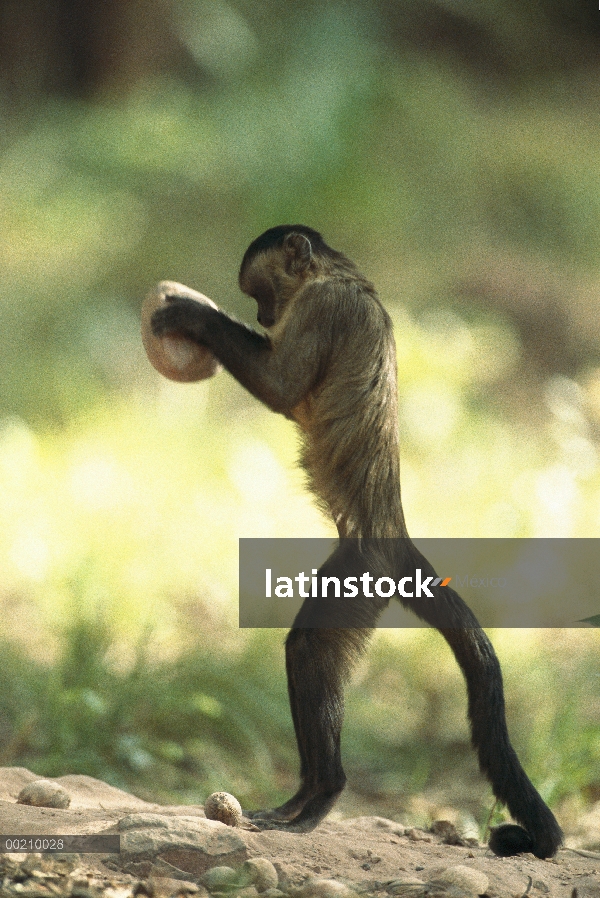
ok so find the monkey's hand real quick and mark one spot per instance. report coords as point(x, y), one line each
point(183, 316)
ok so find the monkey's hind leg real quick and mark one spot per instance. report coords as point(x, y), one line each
point(317, 661)
point(329, 634)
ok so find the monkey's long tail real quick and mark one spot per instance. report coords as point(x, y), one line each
point(497, 759)
point(475, 654)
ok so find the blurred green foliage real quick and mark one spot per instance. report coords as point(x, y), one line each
point(216, 717)
point(122, 496)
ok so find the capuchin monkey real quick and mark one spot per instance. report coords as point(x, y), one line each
point(328, 362)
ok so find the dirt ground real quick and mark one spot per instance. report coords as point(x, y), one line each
point(371, 854)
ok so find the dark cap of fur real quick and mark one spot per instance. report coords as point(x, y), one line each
point(274, 238)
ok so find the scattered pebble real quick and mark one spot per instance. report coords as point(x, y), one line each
point(447, 832)
point(418, 835)
point(407, 888)
point(461, 878)
point(325, 888)
point(44, 794)
point(223, 807)
point(261, 873)
point(219, 879)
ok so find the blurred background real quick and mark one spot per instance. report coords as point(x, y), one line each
point(449, 147)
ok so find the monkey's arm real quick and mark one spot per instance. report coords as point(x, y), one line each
point(278, 379)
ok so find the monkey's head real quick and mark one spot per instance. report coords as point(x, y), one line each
point(279, 263)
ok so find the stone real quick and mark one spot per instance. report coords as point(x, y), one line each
point(260, 872)
point(220, 879)
point(447, 832)
point(407, 888)
point(224, 807)
point(175, 356)
point(176, 847)
point(326, 888)
point(44, 794)
point(418, 835)
point(164, 886)
point(460, 879)
point(587, 887)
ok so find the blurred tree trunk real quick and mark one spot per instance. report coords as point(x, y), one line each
point(79, 48)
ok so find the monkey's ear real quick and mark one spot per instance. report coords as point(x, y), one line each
point(297, 252)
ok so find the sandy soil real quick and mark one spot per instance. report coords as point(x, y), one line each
point(370, 852)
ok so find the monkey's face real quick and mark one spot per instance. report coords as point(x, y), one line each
point(273, 275)
point(256, 283)
point(266, 280)
point(266, 300)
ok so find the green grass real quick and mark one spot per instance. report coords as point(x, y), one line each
point(214, 717)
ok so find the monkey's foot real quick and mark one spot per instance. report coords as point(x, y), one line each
point(272, 815)
point(288, 826)
point(275, 818)
point(287, 811)
point(300, 814)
